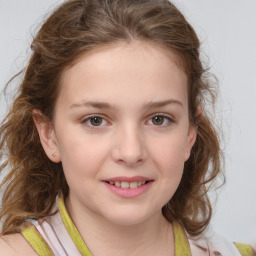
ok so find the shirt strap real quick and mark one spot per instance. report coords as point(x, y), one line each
point(244, 249)
point(72, 230)
point(182, 247)
point(37, 242)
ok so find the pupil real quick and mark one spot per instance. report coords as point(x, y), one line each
point(158, 120)
point(96, 121)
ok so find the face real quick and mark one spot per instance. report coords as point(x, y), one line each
point(121, 130)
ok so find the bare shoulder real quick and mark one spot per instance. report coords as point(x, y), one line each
point(15, 244)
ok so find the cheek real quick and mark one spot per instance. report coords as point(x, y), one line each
point(169, 154)
point(168, 157)
point(81, 156)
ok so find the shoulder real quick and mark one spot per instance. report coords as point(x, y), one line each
point(218, 245)
point(15, 244)
point(245, 249)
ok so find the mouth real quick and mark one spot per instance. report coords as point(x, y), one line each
point(127, 184)
point(128, 187)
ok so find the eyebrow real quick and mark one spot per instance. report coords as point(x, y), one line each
point(158, 104)
point(94, 104)
point(105, 105)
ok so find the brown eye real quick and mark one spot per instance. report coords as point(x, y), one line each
point(158, 120)
point(95, 121)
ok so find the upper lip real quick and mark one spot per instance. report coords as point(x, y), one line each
point(128, 179)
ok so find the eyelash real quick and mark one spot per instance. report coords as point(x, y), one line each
point(84, 121)
point(166, 118)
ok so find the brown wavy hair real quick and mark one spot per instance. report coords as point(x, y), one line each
point(76, 27)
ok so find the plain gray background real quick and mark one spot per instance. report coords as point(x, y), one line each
point(227, 29)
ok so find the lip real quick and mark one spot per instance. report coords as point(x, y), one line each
point(129, 192)
point(129, 179)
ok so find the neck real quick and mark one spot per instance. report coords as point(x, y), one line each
point(152, 237)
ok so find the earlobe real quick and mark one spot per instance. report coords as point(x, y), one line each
point(47, 136)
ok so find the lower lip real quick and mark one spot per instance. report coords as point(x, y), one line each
point(129, 192)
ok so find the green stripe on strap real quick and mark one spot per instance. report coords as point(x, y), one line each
point(37, 242)
point(244, 249)
point(182, 247)
point(72, 230)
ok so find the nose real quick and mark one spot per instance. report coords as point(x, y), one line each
point(129, 147)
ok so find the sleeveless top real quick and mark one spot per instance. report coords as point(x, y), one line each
point(57, 235)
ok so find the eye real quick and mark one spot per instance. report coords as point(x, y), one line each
point(94, 121)
point(160, 120)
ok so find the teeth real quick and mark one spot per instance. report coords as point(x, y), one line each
point(117, 184)
point(134, 184)
point(126, 184)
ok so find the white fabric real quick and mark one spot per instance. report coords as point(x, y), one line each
point(56, 236)
point(215, 246)
point(54, 232)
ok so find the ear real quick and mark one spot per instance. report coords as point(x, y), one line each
point(192, 133)
point(47, 136)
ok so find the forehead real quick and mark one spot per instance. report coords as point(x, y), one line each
point(141, 70)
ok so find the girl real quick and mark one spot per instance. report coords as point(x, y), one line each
point(109, 146)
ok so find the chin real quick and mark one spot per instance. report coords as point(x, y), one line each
point(128, 217)
point(126, 221)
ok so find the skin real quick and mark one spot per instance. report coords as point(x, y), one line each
point(125, 142)
point(15, 245)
